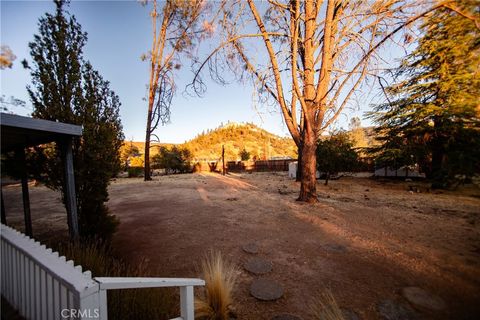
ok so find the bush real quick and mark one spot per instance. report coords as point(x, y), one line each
point(174, 159)
point(220, 278)
point(134, 172)
point(244, 155)
point(325, 307)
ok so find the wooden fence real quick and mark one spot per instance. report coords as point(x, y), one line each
point(40, 284)
point(259, 165)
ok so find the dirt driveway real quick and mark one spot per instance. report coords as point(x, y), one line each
point(365, 240)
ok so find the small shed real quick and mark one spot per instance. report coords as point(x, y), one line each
point(18, 133)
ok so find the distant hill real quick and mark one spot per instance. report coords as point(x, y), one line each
point(260, 143)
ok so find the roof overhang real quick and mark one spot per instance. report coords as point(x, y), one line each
point(21, 132)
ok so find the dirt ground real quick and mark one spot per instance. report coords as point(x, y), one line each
point(364, 241)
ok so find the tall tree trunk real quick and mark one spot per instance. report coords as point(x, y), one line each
point(438, 153)
point(308, 187)
point(299, 164)
point(437, 158)
point(146, 173)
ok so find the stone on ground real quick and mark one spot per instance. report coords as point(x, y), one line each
point(392, 310)
point(258, 266)
point(419, 297)
point(266, 289)
point(251, 247)
point(337, 248)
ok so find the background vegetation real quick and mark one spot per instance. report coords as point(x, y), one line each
point(432, 113)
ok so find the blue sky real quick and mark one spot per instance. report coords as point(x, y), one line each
point(119, 32)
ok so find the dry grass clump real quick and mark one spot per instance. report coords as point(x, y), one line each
point(220, 277)
point(157, 303)
point(325, 307)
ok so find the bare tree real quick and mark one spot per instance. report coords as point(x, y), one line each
point(309, 58)
point(176, 29)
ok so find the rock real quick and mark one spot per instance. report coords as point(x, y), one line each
point(266, 289)
point(332, 247)
point(122, 175)
point(392, 310)
point(421, 298)
point(286, 316)
point(258, 266)
point(251, 247)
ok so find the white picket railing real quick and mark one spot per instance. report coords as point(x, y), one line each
point(38, 283)
point(42, 285)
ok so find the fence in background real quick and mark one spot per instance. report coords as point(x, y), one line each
point(40, 284)
point(259, 165)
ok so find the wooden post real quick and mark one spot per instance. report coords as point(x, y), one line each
point(103, 312)
point(187, 303)
point(4, 216)
point(223, 159)
point(20, 155)
point(70, 196)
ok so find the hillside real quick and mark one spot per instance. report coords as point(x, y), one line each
point(235, 137)
point(260, 143)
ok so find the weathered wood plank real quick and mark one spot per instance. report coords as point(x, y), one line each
point(16, 121)
point(186, 303)
point(70, 197)
point(131, 283)
point(20, 156)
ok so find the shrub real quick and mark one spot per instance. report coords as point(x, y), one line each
point(220, 277)
point(244, 155)
point(134, 172)
point(325, 307)
point(174, 159)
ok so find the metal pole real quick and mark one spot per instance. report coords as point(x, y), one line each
point(223, 159)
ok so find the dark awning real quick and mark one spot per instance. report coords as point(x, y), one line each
point(18, 131)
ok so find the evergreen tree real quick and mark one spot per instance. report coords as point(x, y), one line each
point(432, 116)
point(66, 88)
point(336, 154)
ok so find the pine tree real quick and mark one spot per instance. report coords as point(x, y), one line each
point(432, 116)
point(66, 88)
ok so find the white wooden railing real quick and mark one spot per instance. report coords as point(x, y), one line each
point(40, 284)
point(186, 291)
